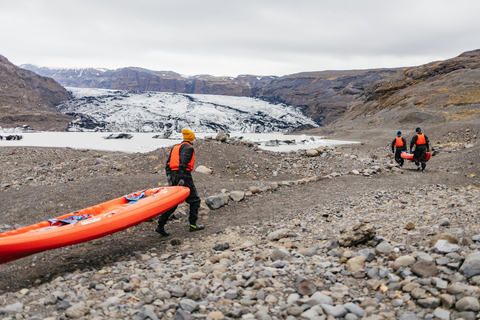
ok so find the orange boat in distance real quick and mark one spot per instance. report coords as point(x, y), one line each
point(409, 156)
point(90, 223)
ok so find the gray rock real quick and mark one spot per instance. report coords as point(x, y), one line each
point(368, 254)
point(457, 288)
point(221, 246)
point(178, 292)
point(408, 316)
point(448, 301)
point(181, 314)
point(355, 309)
point(279, 255)
point(262, 315)
point(237, 195)
point(445, 222)
point(188, 305)
point(203, 169)
point(418, 293)
point(383, 248)
point(424, 268)
point(319, 298)
point(76, 311)
point(215, 202)
point(362, 232)
point(221, 136)
point(441, 314)
point(471, 265)
point(231, 294)
point(280, 234)
point(14, 307)
point(50, 299)
point(405, 261)
point(430, 303)
point(468, 304)
point(112, 301)
point(193, 292)
point(422, 256)
point(465, 315)
point(337, 311)
point(63, 305)
point(146, 314)
point(443, 246)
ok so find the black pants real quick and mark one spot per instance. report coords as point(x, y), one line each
point(398, 157)
point(420, 154)
point(193, 200)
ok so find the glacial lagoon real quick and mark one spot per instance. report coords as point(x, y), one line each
point(144, 142)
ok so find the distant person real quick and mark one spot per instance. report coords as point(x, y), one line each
point(401, 144)
point(421, 142)
point(179, 166)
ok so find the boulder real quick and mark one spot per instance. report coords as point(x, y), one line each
point(222, 137)
point(215, 202)
point(471, 265)
point(237, 195)
point(204, 170)
point(360, 233)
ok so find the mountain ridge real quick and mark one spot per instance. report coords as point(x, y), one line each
point(321, 95)
point(26, 97)
point(438, 91)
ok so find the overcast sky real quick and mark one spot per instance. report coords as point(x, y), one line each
point(232, 37)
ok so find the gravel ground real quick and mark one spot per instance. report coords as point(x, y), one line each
point(318, 198)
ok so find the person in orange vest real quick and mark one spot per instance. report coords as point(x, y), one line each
point(401, 145)
point(421, 142)
point(179, 166)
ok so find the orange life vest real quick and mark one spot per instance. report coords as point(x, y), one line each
point(174, 162)
point(420, 139)
point(399, 142)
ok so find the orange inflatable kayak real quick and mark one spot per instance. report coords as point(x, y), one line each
point(409, 156)
point(89, 223)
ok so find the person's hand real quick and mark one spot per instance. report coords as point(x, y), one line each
point(181, 182)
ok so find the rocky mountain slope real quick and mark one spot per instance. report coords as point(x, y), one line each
point(27, 98)
point(434, 93)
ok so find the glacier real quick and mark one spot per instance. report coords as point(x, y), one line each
point(104, 110)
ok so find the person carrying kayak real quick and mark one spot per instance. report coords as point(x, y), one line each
point(401, 144)
point(421, 143)
point(179, 166)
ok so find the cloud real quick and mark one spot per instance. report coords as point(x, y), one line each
point(237, 37)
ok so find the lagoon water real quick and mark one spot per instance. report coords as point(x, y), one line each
point(143, 142)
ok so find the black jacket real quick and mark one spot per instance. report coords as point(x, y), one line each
point(414, 141)
point(404, 144)
point(186, 154)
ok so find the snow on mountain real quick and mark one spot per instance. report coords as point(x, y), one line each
point(128, 111)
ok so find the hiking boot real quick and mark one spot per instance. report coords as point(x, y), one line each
point(196, 228)
point(161, 230)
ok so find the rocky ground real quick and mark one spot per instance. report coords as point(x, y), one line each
point(340, 233)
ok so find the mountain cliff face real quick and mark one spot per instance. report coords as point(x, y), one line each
point(139, 79)
point(323, 96)
point(27, 98)
point(432, 93)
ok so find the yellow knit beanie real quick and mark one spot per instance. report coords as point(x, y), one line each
point(188, 135)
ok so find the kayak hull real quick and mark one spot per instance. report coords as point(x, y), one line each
point(409, 156)
point(103, 219)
